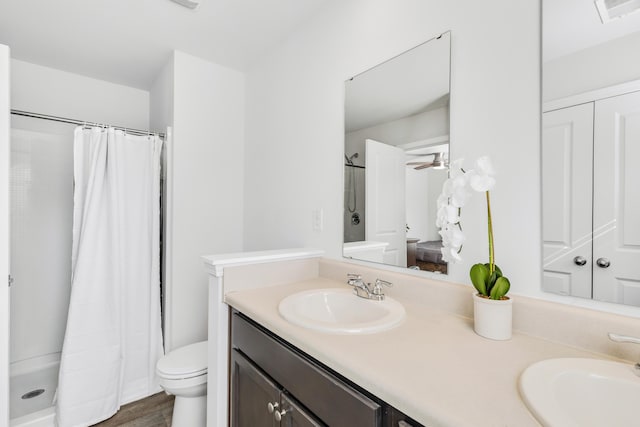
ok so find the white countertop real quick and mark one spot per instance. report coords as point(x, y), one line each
point(433, 367)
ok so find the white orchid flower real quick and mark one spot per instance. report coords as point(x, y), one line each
point(484, 166)
point(481, 183)
point(481, 177)
point(455, 190)
point(452, 240)
point(443, 200)
point(453, 237)
point(450, 255)
point(459, 193)
point(447, 215)
point(453, 198)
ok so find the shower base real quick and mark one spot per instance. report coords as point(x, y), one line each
point(32, 387)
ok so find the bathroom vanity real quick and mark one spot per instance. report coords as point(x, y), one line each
point(431, 367)
point(273, 382)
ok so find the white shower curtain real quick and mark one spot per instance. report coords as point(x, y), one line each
point(113, 337)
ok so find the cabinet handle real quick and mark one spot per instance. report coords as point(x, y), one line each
point(603, 262)
point(279, 414)
point(272, 407)
point(580, 260)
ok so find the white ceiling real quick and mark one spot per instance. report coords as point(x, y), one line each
point(128, 41)
point(572, 25)
point(411, 83)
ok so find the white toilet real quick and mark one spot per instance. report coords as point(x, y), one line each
point(183, 373)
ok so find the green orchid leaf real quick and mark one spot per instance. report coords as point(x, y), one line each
point(500, 288)
point(492, 281)
point(495, 266)
point(479, 274)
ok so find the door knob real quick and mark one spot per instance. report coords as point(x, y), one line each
point(580, 260)
point(603, 262)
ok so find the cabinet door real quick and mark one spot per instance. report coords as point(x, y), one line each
point(567, 155)
point(616, 204)
point(251, 392)
point(295, 415)
point(330, 399)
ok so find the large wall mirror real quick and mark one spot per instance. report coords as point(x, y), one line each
point(591, 149)
point(396, 158)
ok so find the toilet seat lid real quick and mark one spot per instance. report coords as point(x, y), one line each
point(184, 362)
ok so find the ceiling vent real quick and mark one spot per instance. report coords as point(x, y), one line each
point(614, 9)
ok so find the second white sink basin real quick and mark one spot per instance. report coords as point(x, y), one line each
point(582, 393)
point(337, 310)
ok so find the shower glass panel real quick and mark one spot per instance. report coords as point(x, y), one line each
point(41, 189)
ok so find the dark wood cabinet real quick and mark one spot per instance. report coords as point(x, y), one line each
point(260, 402)
point(274, 384)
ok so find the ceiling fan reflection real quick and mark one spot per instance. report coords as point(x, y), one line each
point(439, 162)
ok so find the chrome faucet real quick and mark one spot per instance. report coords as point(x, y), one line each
point(360, 288)
point(367, 291)
point(625, 338)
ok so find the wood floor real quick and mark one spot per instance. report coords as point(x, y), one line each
point(154, 411)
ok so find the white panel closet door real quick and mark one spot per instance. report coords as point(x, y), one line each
point(385, 200)
point(567, 154)
point(616, 213)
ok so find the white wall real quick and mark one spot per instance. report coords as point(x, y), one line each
point(604, 65)
point(4, 235)
point(207, 185)
point(46, 90)
point(161, 99)
point(295, 98)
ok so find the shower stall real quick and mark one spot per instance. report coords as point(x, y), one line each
point(354, 193)
point(42, 237)
point(41, 203)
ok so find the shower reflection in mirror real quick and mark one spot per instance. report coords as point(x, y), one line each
point(396, 158)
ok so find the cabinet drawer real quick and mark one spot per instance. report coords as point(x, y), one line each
point(330, 399)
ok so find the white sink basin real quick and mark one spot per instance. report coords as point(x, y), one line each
point(339, 311)
point(582, 393)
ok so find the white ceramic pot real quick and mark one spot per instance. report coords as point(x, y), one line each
point(492, 318)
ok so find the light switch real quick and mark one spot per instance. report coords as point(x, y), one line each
point(317, 219)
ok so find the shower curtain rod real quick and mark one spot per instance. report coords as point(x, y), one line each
point(82, 122)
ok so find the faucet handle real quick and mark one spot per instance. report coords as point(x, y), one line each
point(377, 287)
point(383, 282)
point(353, 278)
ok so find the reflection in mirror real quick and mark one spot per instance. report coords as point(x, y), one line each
point(591, 149)
point(396, 158)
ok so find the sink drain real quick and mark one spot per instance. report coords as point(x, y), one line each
point(33, 393)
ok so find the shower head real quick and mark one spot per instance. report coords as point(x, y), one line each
point(350, 159)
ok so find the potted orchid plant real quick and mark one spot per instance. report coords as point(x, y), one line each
point(492, 308)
